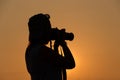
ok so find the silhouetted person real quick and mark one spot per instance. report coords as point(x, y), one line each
point(44, 63)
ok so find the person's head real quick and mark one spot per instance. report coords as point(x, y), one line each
point(39, 28)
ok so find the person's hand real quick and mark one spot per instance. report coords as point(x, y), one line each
point(60, 39)
point(59, 43)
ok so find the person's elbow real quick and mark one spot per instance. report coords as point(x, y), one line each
point(70, 65)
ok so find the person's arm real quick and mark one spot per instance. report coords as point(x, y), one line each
point(68, 59)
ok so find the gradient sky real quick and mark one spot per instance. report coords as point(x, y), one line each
point(95, 23)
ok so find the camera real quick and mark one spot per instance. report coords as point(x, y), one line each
point(57, 34)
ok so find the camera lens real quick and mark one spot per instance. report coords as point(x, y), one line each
point(69, 36)
point(57, 34)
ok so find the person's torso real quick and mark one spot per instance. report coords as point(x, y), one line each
point(39, 64)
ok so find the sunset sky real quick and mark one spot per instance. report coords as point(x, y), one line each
point(95, 24)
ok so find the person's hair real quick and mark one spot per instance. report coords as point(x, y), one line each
point(39, 26)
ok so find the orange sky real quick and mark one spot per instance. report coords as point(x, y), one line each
point(95, 23)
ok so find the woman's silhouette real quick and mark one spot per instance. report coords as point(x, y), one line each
point(44, 63)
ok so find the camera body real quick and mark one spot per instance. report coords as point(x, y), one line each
point(57, 34)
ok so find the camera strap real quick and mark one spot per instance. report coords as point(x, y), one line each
point(50, 44)
point(63, 71)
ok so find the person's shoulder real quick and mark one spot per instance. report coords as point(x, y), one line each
point(46, 48)
point(40, 48)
